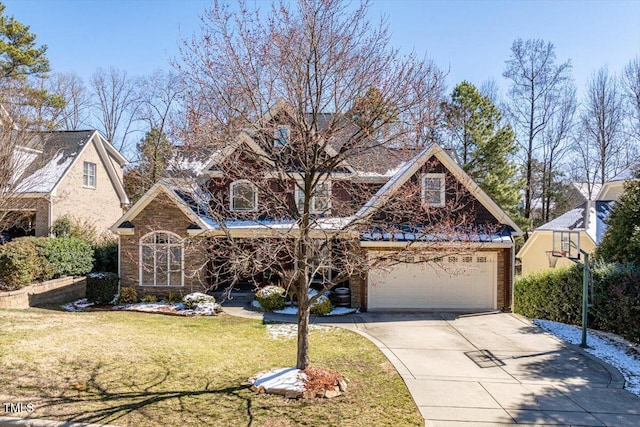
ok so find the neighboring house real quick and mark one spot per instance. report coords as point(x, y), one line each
point(161, 236)
point(74, 173)
point(588, 218)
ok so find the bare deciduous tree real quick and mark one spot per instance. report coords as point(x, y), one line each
point(631, 85)
point(536, 86)
point(601, 143)
point(75, 114)
point(312, 60)
point(117, 102)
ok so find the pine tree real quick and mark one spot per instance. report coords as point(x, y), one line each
point(18, 54)
point(484, 145)
point(155, 152)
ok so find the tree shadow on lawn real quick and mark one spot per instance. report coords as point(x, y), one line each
point(150, 402)
point(97, 400)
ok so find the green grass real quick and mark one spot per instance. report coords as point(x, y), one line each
point(133, 369)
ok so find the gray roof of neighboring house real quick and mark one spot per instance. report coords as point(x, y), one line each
point(628, 173)
point(56, 152)
point(573, 219)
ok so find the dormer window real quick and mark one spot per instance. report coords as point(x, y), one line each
point(281, 136)
point(433, 189)
point(243, 196)
point(89, 175)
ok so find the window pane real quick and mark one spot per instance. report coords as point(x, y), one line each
point(299, 199)
point(147, 265)
point(433, 190)
point(175, 278)
point(243, 197)
point(162, 266)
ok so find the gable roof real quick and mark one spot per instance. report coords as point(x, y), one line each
point(55, 155)
point(412, 166)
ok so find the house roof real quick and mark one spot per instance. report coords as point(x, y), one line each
point(57, 150)
point(49, 155)
point(571, 220)
point(410, 167)
point(583, 189)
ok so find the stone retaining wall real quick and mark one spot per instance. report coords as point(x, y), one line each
point(54, 291)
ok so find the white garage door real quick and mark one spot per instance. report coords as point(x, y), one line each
point(457, 282)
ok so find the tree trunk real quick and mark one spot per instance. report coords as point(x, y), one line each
point(303, 324)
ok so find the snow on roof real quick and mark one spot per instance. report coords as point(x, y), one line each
point(594, 215)
point(320, 224)
point(570, 220)
point(460, 237)
point(583, 189)
point(603, 209)
point(44, 179)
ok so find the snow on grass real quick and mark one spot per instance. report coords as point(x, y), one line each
point(289, 330)
point(78, 305)
point(292, 310)
point(279, 381)
point(614, 350)
point(194, 304)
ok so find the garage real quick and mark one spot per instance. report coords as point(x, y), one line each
point(461, 282)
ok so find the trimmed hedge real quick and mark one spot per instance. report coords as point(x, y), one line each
point(35, 259)
point(20, 264)
point(70, 256)
point(102, 287)
point(557, 295)
point(106, 256)
point(321, 307)
point(271, 297)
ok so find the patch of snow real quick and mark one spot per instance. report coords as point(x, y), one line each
point(45, 178)
point(280, 380)
point(618, 352)
point(78, 305)
point(290, 330)
point(567, 221)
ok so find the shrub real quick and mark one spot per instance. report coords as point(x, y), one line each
point(105, 256)
point(149, 298)
point(191, 301)
point(66, 226)
point(271, 297)
point(62, 226)
point(321, 307)
point(557, 295)
point(173, 297)
point(128, 295)
point(70, 256)
point(20, 263)
point(102, 287)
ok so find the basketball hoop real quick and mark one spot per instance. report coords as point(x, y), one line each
point(553, 257)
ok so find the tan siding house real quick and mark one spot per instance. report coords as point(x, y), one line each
point(74, 173)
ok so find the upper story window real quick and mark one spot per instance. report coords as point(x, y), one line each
point(89, 174)
point(244, 196)
point(281, 136)
point(433, 189)
point(320, 200)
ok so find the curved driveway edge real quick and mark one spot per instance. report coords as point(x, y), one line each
point(492, 369)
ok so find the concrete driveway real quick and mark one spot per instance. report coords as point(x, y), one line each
point(493, 369)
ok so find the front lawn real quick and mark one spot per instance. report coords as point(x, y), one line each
point(142, 369)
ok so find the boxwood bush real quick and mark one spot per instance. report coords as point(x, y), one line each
point(70, 256)
point(271, 297)
point(102, 287)
point(322, 306)
point(20, 264)
point(557, 295)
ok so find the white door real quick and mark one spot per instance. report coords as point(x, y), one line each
point(456, 282)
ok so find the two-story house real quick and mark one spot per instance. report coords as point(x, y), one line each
point(74, 173)
point(430, 238)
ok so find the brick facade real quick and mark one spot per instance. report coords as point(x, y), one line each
point(99, 206)
point(162, 215)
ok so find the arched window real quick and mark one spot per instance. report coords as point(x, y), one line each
point(161, 259)
point(244, 196)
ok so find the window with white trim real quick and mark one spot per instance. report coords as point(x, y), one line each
point(89, 174)
point(161, 259)
point(320, 200)
point(433, 189)
point(243, 196)
point(281, 136)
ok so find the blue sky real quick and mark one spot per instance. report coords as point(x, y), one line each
point(470, 39)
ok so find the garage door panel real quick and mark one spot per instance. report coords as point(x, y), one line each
point(454, 284)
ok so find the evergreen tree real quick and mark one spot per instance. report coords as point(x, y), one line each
point(484, 145)
point(19, 55)
point(155, 152)
point(621, 242)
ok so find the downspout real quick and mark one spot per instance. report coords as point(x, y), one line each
point(49, 198)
